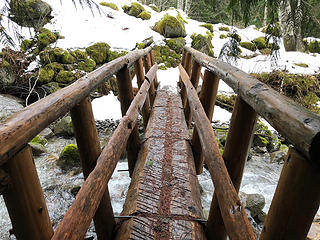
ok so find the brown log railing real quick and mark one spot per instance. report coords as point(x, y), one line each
point(297, 196)
point(19, 182)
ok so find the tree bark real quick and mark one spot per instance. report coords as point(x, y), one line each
point(298, 35)
point(286, 26)
point(265, 18)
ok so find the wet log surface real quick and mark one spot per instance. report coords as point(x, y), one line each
point(163, 198)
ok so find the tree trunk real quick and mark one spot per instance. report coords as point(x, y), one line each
point(180, 4)
point(187, 5)
point(265, 18)
point(298, 35)
point(286, 26)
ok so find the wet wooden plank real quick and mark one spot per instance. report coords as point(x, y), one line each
point(164, 195)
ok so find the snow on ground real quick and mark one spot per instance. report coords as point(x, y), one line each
point(106, 107)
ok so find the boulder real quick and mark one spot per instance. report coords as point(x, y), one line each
point(255, 203)
point(64, 127)
point(7, 76)
point(202, 43)
point(37, 148)
point(8, 106)
point(280, 155)
point(170, 27)
point(98, 52)
point(69, 158)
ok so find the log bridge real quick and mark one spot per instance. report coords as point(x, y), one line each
point(163, 200)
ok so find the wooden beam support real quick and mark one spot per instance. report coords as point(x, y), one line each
point(296, 123)
point(188, 66)
point(208, 96)
point(156, 83)
point(235, 156)
point(195, 77)
point(75, 223)
point(295, 202)
point(24, 199)
point(140, 80)
point(232, 210)
point(126, 97)
point(152, 91)
point(89, 148)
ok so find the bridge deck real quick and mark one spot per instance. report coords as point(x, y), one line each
point(164, 196)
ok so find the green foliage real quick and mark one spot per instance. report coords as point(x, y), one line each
point(134, 9)
point(273, 30)
point(202, 43)
point(304, 65)
point(208, 26)
point(248, 45)
point(98, 52)
point(69, 157)
point(170, 26)
point(260, 42)
point(154, 7)
point(110, 5)
point(144, 15)
point(176, 44)
point(313, 47)
point(223, 36)
point(227, 29)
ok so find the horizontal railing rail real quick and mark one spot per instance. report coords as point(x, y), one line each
point(297, 124)
point(17, 131)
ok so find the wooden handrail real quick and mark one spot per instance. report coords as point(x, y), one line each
point(232, 210)
point(297, 124)
point(79, 215)
point(17, 131)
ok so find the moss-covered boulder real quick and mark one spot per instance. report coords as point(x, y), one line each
point(114, 54)
point(134, 9)
point(51, 87)
point(88, 65)
point(223, 36)
point(176, 44)
point(65, 77)
point(7, 75)
point(208, 26)
point(110, 5)
point(260, 43)
point(235, 36)
point(58, 55)
point(98, 52)
point(154, 7)
point(166, 56)
point(79, 55)
point(37, 145)
point(224, 28)
point(248, 45)
point(26, 45)
point(202, 43)
point(170, 27)
point(45, 38)
point(30, 13)
point(69, 158)
point(64, 127)
point(46, 75)
point(144, 15)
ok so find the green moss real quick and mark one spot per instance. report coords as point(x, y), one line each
point(248, 45)
point(144, 15)
point(140, 45)
point(208, 26)
point(114, 54)
point(180, 18)
point(266, 51)
point(26, 45)
point(313, 47)
point(98, 52)
point(87, 65)
point(227, 29)
point(45, 38)
point(51, 55)
point(51, 87)
point(134, 9)
point(264, 141)
point(235, 36)
point(164, 55)
point(162, 67)
point(110, 5)
point(39, 139)
point(154, 7)
point(170, 26)
point(273, 30)
point(45, 75)
point(304, 65)
point(202, 43)
point(176, 44)
point(222, 36)
point(69, 157)
point(67, 58)
point(260, 43)
point(56, 67)
point(66, 77)
point(79, 55)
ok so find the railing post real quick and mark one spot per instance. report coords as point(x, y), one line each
point(207, 97)
point(126, 97)
point(89, 149)
point(156, 83)
point(188, 66)
point(140, 79)
point(195, 76)
point(152, 92)
point(24, 198)
point(295, 202)
point(235, 155)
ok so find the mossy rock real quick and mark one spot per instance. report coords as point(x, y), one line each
point(56, 67)
point(30, 13)
point(266, 51)
point(37, 148)
point(64, 127)
point(304, 65)
point(208, 26)
point(134, 9)
point(260, 42)
point(227, 29)
point(39, 139)
point(51, 87)
point(176, 44)
point(144, 15)
point(313, 46)
point(235, 36)
point(164, 55)
point(87, 65)
point(98, 52)
point(79, 55)
point(26, 45)
point(65, 77)
point(145, 43)
point(110, 5)
point(170, 27)
point(154, 7)
point(114, 54)
point(202, 43)
point(223, 36)
point(248, 45)
point(45, 38)
point(69, 158)
point(56, 55)
point(180, 18)
point(46, 75)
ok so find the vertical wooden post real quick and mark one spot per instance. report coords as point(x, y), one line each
point(156, 83)
point(126, 97)
point(140, 79)
point(208, 98)
point(89, 149)
point(295, 202)
point(152, 92)
point(195, 76)
point(188, 66)
point(24, 199)
point(235, 155)
point(183, 58)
